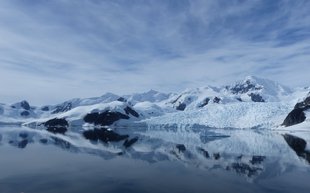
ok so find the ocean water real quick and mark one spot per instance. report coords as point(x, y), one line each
point(162, 160)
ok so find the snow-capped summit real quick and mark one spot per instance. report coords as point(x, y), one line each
point(259, 90)
point(252, 102)
point(195, 98)
point(16, 111)
point(150, 96)
point(23, 104)
point(251, 89)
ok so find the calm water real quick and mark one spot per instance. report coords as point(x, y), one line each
point(162, 160)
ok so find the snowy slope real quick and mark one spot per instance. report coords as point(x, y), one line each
point(251, 89)
point(76, 116)
point(249, 103)
point(270, 91)
point(150, 96)
point(16, 113)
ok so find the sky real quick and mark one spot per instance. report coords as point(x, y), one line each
point(55, 50)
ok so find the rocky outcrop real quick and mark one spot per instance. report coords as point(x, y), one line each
point(204, 152)
point(25, 113)
point(216, 100)
point(130, 111)
point(181, 107)
point(244, 87)
point(305, 104)
point(66, 106)
point(57, 125)
point(204, 102)
point(122, 99)
point(25, 105)
point(105, 118)
point(256, 97)
point(45, 108)
point(297, 115)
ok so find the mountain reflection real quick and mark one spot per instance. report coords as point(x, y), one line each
point(244, 152)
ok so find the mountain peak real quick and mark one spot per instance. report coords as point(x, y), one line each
point(250, 85)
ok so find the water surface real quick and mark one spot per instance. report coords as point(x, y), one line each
point(162, 160)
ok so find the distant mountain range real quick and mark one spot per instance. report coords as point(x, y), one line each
point(250, 103)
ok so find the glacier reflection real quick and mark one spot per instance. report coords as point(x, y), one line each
point(150, 160)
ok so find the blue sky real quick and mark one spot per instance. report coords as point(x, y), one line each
point(60, 49)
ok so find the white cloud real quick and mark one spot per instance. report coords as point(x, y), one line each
point(55, 50)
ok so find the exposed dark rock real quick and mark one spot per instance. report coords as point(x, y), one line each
point(66, 106)
point(296, 143)
point(45, 108)
point(245, 169)
point(104, 118)
point(204, 152)
point(256, 97)
point(22, 144)
point(130, 142)
point(23, 135)
point(129, 110)
point(13, 107)
point(204, 102)
point(57, 125)
point(25, 105)
point(56, 122)
point(216, 156)
point(25, 113)
point(257, 159)
point(181, 107)
point(304, 104)
point(244, 87)
point(294, 117)
point(174, 101)
point(122, 99)
point(216, 99)
point(239, 99)
point(297, 115)
point(103, 135)
point(181, 147)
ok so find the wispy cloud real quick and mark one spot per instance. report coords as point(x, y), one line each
point(54, 50)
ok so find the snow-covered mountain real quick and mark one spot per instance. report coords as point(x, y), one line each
point(194, 126)
point(249, 103)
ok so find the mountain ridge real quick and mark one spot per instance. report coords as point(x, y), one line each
point(243, 96)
